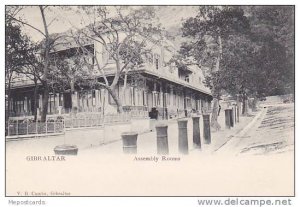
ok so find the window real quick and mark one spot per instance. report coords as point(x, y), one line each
point(51, 104)
point(187, 78)
point(132, 95)
point(155, 98)
point(188, 102)
point(167, 98)
point(60, 101)
point(174, 98)
point(156, 64)
point(198, 107)
point(145, 98)
point(19, 107)
point(93, 60)
point(157, 61)
point(94, 98)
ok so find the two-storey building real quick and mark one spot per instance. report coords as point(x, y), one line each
point(154, 86)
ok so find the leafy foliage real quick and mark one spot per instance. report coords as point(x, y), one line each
point(255, 53)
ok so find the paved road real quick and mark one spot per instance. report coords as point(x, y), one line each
point(95, 172)
point(270, 132)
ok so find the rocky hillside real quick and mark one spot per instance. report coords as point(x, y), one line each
point(172, 17)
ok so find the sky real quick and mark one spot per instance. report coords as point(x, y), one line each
point(61, 19)
point(65, 19)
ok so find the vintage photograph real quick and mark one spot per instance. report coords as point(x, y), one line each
point(156, 100)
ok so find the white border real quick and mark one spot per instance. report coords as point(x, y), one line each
point(133, 201)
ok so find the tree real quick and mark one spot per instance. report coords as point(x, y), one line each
point(261, 62)
point(207, 33)
point(272, 27)
point(46, 46)
point(33, 70)
point(17, 46)
point(240, 72)
point(125, 35)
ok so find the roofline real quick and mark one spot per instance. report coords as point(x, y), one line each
point(142, 71)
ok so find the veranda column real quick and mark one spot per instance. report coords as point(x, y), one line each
point(171, 96)
point(25, 105)
point(56, 101)
point(97, 99)
point(40, 102)
point(90, 100)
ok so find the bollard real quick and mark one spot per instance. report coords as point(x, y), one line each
point(233, 115)
point(66, 150)
point(227, 118)
point(196, 132)
point(238, 113)
point(206, 129)
point(162, 139)
point(231, 118)
point(182, 136)
point(235, 108)
point(129, 142)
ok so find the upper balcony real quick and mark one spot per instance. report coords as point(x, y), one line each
point(155, 64)
point(20, 82)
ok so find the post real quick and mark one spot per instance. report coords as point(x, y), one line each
point(59, 110)
point(162, 139)
point(231, 118)
point(8, 128)
point(206, 129)
point(36, 126)
point(64, 124)
point(129, 142)
point(196, 132)
point(54, 127)
point(17, 130)
point(182, 136)
point(227, 118)
point(46, 125)
point(27, 126)
point(238, 112)
point(233, 115)
point(235, 112)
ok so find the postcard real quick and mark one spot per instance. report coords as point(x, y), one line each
point(149, 100)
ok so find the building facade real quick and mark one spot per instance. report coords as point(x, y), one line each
point(161, 89)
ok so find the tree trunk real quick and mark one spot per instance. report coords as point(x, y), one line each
point(8, 106)
point(45, 69)
point(8, 100)
point(35, 95)
point(238, 104)
point(214, 116)
point(72, 90)
point(124, 86)
point(45, 98)
point(254, 104)
point(245, 105)
point(184, 103)
point(113, 94)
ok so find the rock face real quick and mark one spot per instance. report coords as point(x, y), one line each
point(172, 17)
